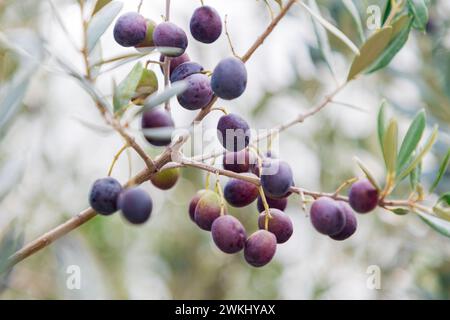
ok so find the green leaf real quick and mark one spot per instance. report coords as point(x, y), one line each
point(415, 176)
point(381, 124)
point(442, 169)
point(368, 174)
point(350, 5)
point(444, 198)
point(370, 51)
point(400, 211)
point(400, 34)
point(99, 5)
point(418, 9)
point(411, 140)
point(431, 140)
point(387, 11)
point(147, 85)
point(100, 23)
point(441, 226)
point(127, 88)
point(322, 39)
point(390, 146)
point(331, 28)
point(155, 100)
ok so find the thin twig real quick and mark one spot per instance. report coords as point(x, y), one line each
point(229, 38)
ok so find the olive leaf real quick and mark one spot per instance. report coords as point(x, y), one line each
point(350, 6)
point(441, 226)
point(331, 28)
point(322, 39)
point(100, 23)
point(400, 33)
point(411, 140)
point(127, 88)
point(368, 174)
point(381, 124)
point(154, 100)
point(442, 169)
point(415, 176)
point(399, 211)
point(387, 11)
point(441, 208)
point(370, 51)
point(99, 5)
point(418, 9)
point(427, 147)
point(390, 146)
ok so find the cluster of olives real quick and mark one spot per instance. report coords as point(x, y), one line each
point(108, 196)
point(207, 208)
point(337, 219)
point(227, 81)
point(275, 227)
point(333, 218)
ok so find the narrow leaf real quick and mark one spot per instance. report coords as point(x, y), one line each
point(99, 5)
point(419, 157)
point(411, 140)
point(401, 30)
point(400, 211)
point(349, 4)
point(327, 25)
point(322, 39)
point(368, 174)
point(390, 145)
point(370, 51)
point(387, 11)
point(100, 23)
point(441, 226)
point(381, 124)
point(419, 11)
point(442, 169)
point(415, 175)
point(127, 87)
point(154, 100)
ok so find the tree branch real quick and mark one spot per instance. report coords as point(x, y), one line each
point(152, 166)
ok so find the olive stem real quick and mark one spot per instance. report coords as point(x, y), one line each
point(345, 184)
point(116, 157)
point(230, 43)
point(220, 192)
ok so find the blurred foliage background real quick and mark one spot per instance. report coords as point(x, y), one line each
point(53, 145)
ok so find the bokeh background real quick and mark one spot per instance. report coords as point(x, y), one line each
point(54, 145)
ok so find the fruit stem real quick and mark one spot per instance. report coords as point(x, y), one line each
point(116, 157)
point(208, 175)
point(218, 189)
point(229, 38)
point(344, 185)
point(220, 109)
point(140, 6)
